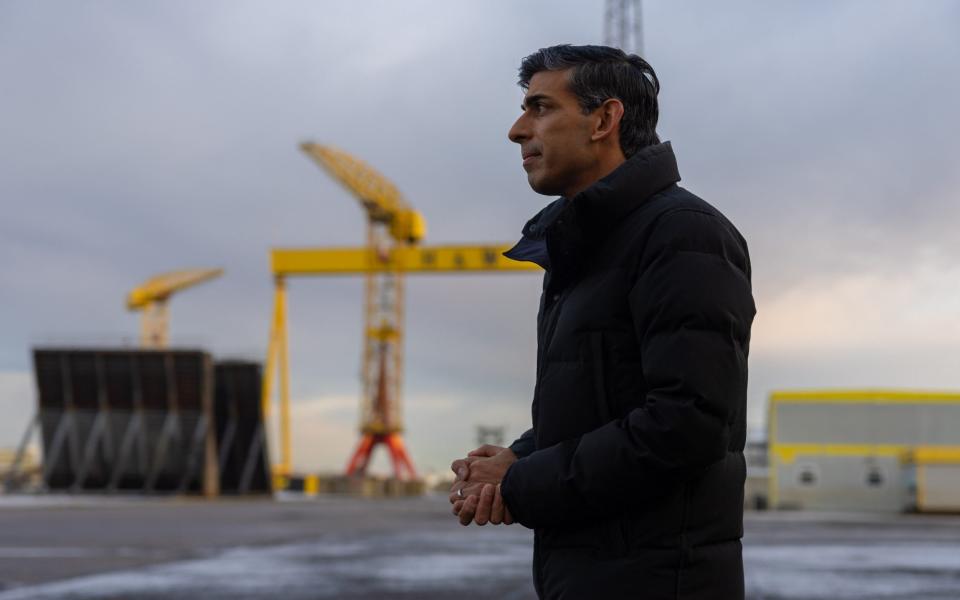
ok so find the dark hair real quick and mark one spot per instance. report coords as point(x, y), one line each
point(600, 73)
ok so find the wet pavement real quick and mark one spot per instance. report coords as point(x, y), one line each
point(109, 548)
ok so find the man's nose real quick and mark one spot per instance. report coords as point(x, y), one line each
point(518, 133)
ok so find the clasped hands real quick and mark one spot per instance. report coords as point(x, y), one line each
point(475, 494)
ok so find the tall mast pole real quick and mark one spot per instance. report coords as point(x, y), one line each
point(623, 25)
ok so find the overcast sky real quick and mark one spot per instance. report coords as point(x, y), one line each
point(141, 137)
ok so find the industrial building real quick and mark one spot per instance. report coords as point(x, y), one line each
point(145, 420)
point(881, 450)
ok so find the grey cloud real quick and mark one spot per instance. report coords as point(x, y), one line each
point(142, 137)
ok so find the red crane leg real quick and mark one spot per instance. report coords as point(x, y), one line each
point(401, 460)
point(395, 459)
point(358, 463)
point(402, 465)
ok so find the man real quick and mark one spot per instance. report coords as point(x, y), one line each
point(632, 474)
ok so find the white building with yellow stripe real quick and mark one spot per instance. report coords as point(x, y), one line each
point(876, 449)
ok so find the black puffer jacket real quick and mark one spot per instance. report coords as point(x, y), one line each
point(632, 475)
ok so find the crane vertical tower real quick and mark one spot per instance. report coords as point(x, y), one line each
point(623, 25)
point(391, 225)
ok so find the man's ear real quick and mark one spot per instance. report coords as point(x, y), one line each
point(610, 113)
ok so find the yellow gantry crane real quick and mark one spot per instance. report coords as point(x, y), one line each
point(151, 298)
point(394, 233)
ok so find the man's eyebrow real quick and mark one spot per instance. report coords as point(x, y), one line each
point(534, 99)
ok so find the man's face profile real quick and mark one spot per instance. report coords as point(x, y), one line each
point(554, 134)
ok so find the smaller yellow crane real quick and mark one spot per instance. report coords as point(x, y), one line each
point(151, 297)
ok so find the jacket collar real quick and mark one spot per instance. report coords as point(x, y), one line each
point(558, 232)
point(611, 198)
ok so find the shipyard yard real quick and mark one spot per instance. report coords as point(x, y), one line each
point(339, 547)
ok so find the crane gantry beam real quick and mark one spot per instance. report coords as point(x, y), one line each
point(422, 259)
point(307, 262)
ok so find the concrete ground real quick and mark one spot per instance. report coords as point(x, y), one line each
point(113, 548)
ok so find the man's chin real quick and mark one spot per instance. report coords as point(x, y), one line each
point(540, 186)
